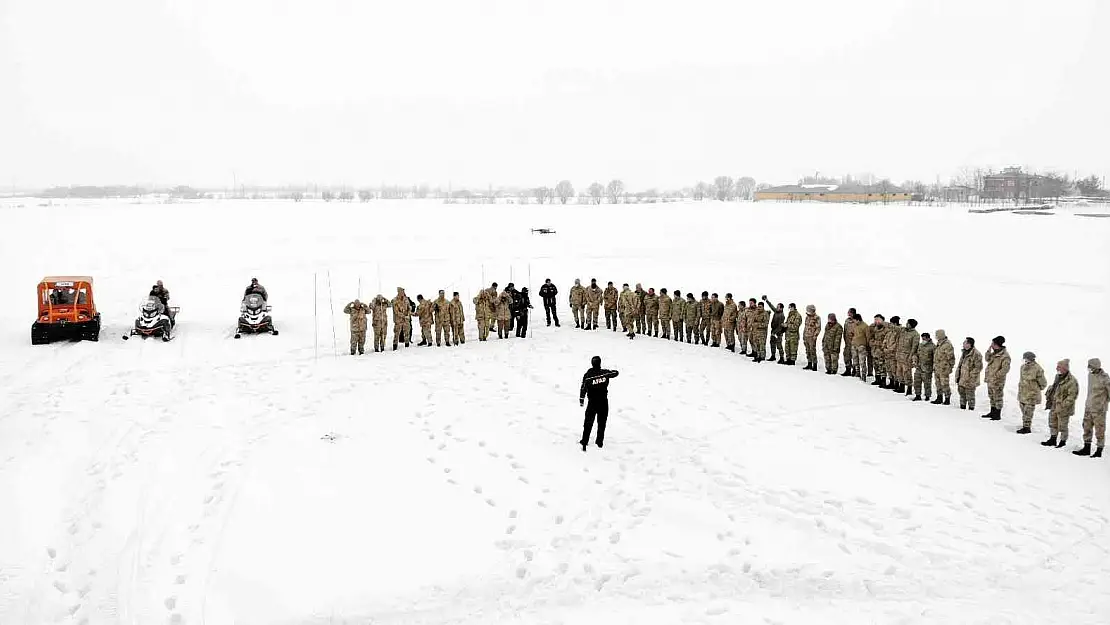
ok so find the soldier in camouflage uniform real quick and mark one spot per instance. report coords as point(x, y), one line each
point(1094, 412)
point(793, 327)
point(483, 312)
point(491, 296)
point(665, 307)
point(728, 322)
point(577, 300)
point(809, 337)
point(379, 307)
point(425, 313)
point(861, 341)
point(594, 295)
point(610, 298)
point(944, 359)
point(849, 350)
point(830, 345)
point(967, 373)
point(651, 313)
point(693, 318)
point(627, 307)
point(1030, 385)
point(998, 367)
point(875, 348)
point(705, 318)
point(638, 316)
point(757, 331)
point(457, 318)
point(743, 315)
point(1060, 402)
point(716, 311)
point(778, 328)
point(923, 367)
point(442, 316)
point(503, 309)
point(907, 352)
point(357, 310)
point(402, 318)
point(891, 339)
point(678, 314)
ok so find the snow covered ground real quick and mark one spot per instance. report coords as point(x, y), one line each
point(277, 480)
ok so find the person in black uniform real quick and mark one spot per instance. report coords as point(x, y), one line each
point(522, 314)
point(548, 293)
point(514, 306)
point(595, 383)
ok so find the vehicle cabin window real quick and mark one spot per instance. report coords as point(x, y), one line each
point(62, 295)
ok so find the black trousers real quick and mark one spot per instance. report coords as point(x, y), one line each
point(549, 309)
point(522, 325)
point(599, 410)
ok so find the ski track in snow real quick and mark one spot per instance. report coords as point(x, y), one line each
point(214, 481)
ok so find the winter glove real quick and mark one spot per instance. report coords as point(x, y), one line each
point(581, 401)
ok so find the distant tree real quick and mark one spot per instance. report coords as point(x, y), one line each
point(723, 186)
point(763, 186)
point(564, 190)
point(346, 196)
point(365, 195)
point(1090, 186)
point(702, 189)
point(817, 179)
point(297, 196)
point(596, 192)
point(614, 190)
point(541, 193)
point(328, 196)
point(745, 187)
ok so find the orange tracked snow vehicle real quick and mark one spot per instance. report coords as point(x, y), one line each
point(67, 310)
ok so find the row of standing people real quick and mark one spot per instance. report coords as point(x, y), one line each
point(893, 356)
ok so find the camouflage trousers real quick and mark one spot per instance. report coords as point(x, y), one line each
point(703, 330)
point(792, 346)
point(642, 321)
point(379, 337)
point(715, 330)
point(904, 369)
point(611, 319)
point(759, 343)
point(483, 327)
point(677, 323)
point(691, 335)
point(776, 346)
point(944, 384)
point(458, 332)
point(849, 355)
point(922, 379)
point(890, 365)
point(832, 358)
point(652, 328)
point(811, 350)
point(591, 317)
point(503, 328)
point(1094, 421)
point(730, 334)
point(665, 323)
point(426, 332)
point(401, 332)
point(443, 332)
point(861, 357)
point(1027, 415)
point(994, 392)
point(358, 340)
point(1058, 424)
point(626, 322)
point(967, 397)
point(742, 337)
point(579, 311)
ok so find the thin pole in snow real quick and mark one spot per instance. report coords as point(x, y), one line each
point(331, 301)
point(379, 277)
point(529, 290)
point(359, 288)
point(315, 322)
point(483, 276)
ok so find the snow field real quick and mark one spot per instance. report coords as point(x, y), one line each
point(198, 481)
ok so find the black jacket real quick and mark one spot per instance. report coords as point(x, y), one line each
point(256, 288)
point(595, 383)
point(548, 293)
point(162, 295)
point(514, 307)
point(525, 304)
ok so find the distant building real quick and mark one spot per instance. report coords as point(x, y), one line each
point(1014, 184)
point(882, 192)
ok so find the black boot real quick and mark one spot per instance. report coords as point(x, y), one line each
point(938, 401)
point(1051, 442)
point(1098, 453)
point(917, 398)
point(909, 391)
point(1025, 430)
point(1063, 441)
point(997, 412)
point(989, 415)
point(878, 381)
point(948, 399)
point(1085, 450)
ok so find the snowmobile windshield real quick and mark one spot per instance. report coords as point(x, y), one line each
point(254, 301)
point(150, 305)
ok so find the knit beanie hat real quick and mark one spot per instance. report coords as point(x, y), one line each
point(1029, 356)
point(1094, 363)
point(1000, 340)
point(1065, 363)
point(811, 308)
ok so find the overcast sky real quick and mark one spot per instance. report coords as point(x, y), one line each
point(657, 93)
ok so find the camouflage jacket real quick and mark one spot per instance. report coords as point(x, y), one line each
point(944, 358)
point(593, 296)
point(483, 307)
point(834, 334)
point(891, 339)
point(849, 330)
point(504, 306)
point(705, 309)
point(379, 306)
point(875, 339)
point(678, 308)
point(908, 342)
point(759, 320)
point(637, 302)
point(692, 312)
point(440, 306)
point(998, 365)
point(358, 315)
point(401, 308)
point(610, 297)
point(1098, 391)
point(1030, 383)
point(577, 295)
point(743, 317)
point(716, 310)
point(728, 318)
point(651, 305)
point(1060, 397)
point(665, 304)
point(626, 303)
point(425, 310)
point(925, 356)
point(455, 311)
point(813, 327)
point(794, 323)
point(861, 334)
point(971, 365)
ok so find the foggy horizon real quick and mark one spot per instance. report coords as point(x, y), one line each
point(526, 94)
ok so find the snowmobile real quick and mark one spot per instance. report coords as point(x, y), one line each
point(155, 320)
point(254, 316)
